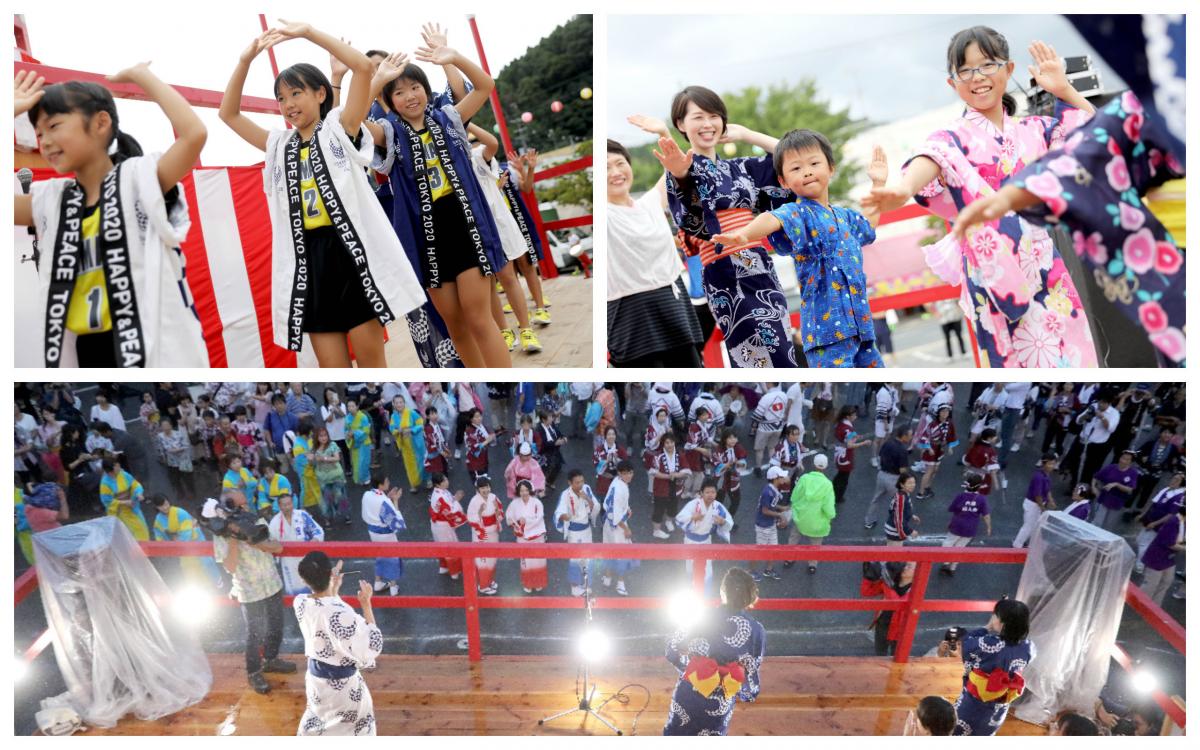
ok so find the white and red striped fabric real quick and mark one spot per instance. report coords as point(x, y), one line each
point(228, 251)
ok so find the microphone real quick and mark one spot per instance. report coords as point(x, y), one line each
point(25, 177)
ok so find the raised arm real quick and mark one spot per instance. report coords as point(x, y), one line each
point(921, 171)
point(337, 72)
point(877, 170)
point(389, 69)
point(435, 36)
point(764, 224)
point(1050, 73)
point(491, 144)
point(483, 83)
point(357, 101)
point(735, 133)
point(231, 103)
point(190, 133)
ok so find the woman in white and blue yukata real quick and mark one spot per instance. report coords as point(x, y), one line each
point(709, 196)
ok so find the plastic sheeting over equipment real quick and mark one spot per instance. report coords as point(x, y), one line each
point(117, 643)
point(1074, 584)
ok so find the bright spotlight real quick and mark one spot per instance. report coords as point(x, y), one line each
point(192, 605)
point(20, 668)
point(1144, 681)
point(594, 644)
point(685, 608)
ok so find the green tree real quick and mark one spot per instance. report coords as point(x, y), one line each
point(774, 110)
point(557, 68)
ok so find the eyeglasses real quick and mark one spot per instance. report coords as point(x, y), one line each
point(988, 69)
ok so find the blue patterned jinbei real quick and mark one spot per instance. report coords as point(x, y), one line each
point(742, 288)
point(718, 666)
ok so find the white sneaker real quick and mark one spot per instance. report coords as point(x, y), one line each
point(670, 525)
point(660, 534)
point(457, 454)
point(1004, 483)
point(1180, 594)
point(394, 589)
point(606, 580)
point(380, 585)
point(621, 588)
point(443, 571)
point(577, 591)
point(875, 462)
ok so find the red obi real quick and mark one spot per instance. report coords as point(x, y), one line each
point(706, 676)
point(731, 220)
point(996, 686)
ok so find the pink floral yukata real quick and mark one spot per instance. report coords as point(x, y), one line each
point(1016, 288)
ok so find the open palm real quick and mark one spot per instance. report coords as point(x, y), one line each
point(649, 124)
point(1048, 68)
point(434, 35)
point(877, 170)
point(439, 55)
point(391, 67)
point(673, 159)
point(27, 91)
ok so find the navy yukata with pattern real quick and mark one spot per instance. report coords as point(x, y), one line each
point(827, 246)
point(734, 637)
point(743, 290)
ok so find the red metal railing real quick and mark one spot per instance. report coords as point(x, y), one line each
point(914, 603)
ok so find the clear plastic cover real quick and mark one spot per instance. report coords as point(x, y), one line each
point(1074, 584)
point(118, 646)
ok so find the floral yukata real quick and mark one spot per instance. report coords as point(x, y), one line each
point(835, 319)
point(743, 291)
point(1015, 286)
point(992, 679)
point(718, 666)
point(1092, 185)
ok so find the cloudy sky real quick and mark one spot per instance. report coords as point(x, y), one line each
point(881, 67)
point(191, 48)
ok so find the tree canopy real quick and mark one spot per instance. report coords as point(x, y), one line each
point(774, 110)
point(557, 68)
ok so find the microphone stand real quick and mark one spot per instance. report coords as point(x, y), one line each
point(585, 699)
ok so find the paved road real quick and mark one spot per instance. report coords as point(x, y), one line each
point(437, 631)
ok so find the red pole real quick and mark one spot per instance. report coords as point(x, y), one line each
point(471, 609)
point(914, 604)
point(495, 96)
point(262, 21)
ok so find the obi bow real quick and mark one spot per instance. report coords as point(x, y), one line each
point(706, 676)
point(997, 686)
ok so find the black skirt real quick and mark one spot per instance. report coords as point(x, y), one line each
point(654, 321)
point(335, 302)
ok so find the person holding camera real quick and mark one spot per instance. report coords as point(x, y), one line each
point(241, 543)
point(994, 658)
point(1099, 421)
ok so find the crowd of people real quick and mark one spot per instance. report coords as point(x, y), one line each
point(308, 458)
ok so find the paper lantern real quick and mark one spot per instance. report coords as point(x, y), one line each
point(757, 151)
point(730, 149)
point(556, 106)
point(496, 128)
point(586, 93)
point(526, 117)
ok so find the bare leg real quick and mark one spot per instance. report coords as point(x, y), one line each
point(331, 349)
point(473, 289)
point(512, 290)
point(445, 300)
point(530, 272)
point(367, 341)
point(498, 310)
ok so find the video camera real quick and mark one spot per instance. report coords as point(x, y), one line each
point(953, 636)
point(238, 523)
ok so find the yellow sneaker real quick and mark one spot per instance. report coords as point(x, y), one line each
point(529, 341)
point(541, 316)
point(510, 338)
point(499, 288)
point(507, 308)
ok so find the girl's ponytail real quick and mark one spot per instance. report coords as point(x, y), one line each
point(1010, 104)
point(124, 146)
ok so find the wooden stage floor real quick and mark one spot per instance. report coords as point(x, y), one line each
point(446, 695)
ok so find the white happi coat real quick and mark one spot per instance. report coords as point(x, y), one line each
point(170, 329)
point(510, 234)
point(393, 275)
point(378, 510)
point(706, 525)
point(335, 634)
point(576, 508)
point(302, 529)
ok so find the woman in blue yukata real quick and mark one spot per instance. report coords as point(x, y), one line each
point(718, 663)
point(707, 196)
point(993, 661)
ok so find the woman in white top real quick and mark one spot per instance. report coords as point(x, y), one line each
point(651, 322)
point(333, 416)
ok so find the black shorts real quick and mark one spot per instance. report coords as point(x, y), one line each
point(96, 350)
point(455, 249)
point(335, 302)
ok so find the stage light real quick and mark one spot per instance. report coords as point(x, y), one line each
point(1144, 681)
point(685, 608)
point(594, 644)
point(192, 605)
point(20, 668)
